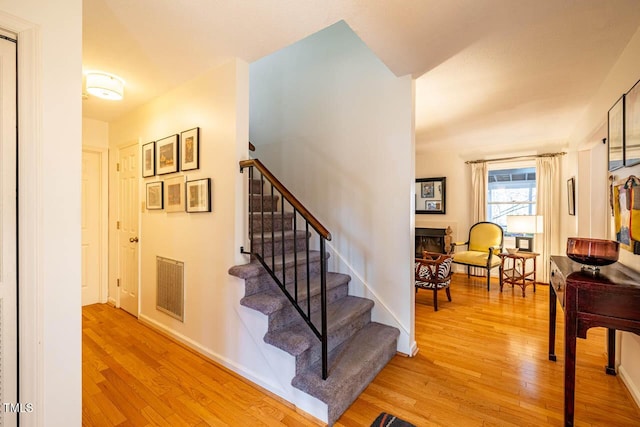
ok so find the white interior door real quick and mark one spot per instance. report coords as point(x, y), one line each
point(128, 231)
point(8, 278)
point(92, 245)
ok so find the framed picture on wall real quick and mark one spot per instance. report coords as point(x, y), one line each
point(190, 149)
point(615, 122)
point(431, 195)
point(149, 159)
point(167, 155)
point(174, 194)
point(199, 195)
point(426, 189)
point(154, 195)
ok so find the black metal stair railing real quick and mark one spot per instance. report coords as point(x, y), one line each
point(297, 212)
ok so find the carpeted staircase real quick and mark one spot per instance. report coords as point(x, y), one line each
point(358, 348)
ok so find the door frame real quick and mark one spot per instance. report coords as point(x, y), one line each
point(116, 237)
point(31, 244)
point(9, 375)
point(104, 218)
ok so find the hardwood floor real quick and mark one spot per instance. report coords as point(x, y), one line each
point(482, 362)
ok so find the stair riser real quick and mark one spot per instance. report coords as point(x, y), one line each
point(265, 203)
point(270, 223)
point(282, 318)
point(358, 349)
point(265, 282)
point(255, 186)
point(337, 337)
point(300, 245)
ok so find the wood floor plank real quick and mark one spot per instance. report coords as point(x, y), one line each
point(482, 362)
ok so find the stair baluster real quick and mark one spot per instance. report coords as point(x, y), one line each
point(348, 343)
point(309, 221)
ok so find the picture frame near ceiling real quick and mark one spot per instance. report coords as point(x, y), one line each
point(174, 194)
point(154, 195)
point(632, 126)
point(148, 159)
point(199, 195)
point(190, 149)
point(615, 131)
point(431, 195)
point(167, 155)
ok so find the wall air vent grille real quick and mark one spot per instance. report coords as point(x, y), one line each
point(170, 287)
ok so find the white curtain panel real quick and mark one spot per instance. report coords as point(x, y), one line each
point(479, 177)
point(548, 205)
point(479, 184)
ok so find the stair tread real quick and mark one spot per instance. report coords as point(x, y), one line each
point(269, 302)
point(298, 337)
point(254, 268)
point(352, 366)
point(358, 348)
point(277, 235)
point(276, 214)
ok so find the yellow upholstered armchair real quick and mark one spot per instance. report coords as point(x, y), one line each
point(485, 242)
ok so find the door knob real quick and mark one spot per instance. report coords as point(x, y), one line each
point(133, 239)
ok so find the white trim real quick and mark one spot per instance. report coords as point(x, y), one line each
point(30, 214)
point(8, 231)
point(414, 349)
point(626, 379)
point(254, 377)
point(104, 219)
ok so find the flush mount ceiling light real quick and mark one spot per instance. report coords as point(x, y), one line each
point(105, 85)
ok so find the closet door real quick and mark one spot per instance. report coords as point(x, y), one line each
point(8, 282)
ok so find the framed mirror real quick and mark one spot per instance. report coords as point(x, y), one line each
point(431, 195)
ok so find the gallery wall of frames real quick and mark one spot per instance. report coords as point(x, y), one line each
point(171, 191)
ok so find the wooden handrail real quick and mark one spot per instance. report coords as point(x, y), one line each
point(322, 231)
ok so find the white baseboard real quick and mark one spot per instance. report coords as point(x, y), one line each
point(313, 407)
point(414, 349)
point(208, 353)
point(631, 386)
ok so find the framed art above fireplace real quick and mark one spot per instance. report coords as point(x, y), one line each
point(431, 195)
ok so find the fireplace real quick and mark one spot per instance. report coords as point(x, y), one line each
point(432, 240)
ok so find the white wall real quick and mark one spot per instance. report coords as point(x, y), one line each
point(208, 243)
point(50, 165)
point(95, 133)
point(592, 210)
point(336, 127)
point(620, 79)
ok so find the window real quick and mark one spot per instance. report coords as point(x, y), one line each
point(511, 192)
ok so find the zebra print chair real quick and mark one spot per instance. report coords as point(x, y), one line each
point(433, 271)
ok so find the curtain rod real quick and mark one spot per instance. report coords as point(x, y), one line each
point(533, 156)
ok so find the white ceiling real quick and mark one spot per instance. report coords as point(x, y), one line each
point(490, 73)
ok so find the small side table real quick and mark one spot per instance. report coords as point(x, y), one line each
point(516, 273)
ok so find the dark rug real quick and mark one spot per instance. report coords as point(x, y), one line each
point(388, 420)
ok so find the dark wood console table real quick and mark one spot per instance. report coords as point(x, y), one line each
point(610, 299)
